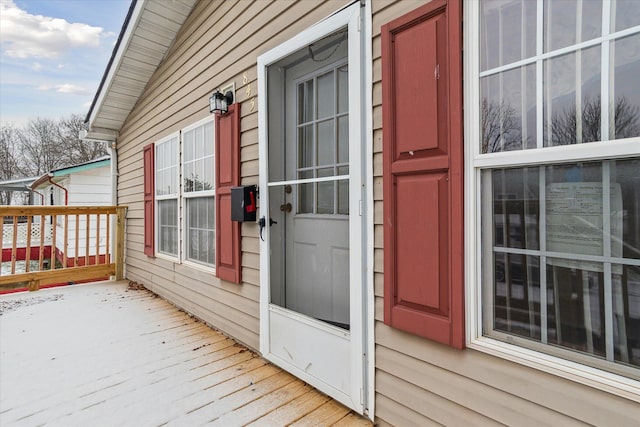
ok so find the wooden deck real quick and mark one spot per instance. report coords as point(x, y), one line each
point(104, 355)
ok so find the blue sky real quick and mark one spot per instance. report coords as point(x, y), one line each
point(53, 54)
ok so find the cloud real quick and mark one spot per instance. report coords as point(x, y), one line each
point(67, 88)
point(24, 35)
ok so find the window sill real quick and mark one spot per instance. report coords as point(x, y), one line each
point(200, 267)
point(592, 377)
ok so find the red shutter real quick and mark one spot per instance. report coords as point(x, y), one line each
point(227, 176)
point(149, 192)
point(423, 186)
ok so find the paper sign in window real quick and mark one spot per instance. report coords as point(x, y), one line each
point(575, 220)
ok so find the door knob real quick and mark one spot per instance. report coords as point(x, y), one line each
point(286, 207)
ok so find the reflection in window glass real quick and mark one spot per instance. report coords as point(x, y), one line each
point(167, 168)
point(326, 95)
point(507, 20)
point(572, 102)
point(568, 22)
point(626, 14)
point(516, 208)
point(578, 235)
point(625, 105)
point(570, 79)
point(198, 161)
point(508, 110)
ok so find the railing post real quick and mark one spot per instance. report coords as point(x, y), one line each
point(121, 213)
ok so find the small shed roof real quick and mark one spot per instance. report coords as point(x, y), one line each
point(19, 184)
point(66, 171)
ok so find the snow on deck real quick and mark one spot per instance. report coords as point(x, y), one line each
point(101, 354)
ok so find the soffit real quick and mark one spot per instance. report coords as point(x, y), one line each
point(149, 31)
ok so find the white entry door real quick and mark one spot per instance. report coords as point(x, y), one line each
point(310, 198)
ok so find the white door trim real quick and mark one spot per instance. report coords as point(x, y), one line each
point(361, 238)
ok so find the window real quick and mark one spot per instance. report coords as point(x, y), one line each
point(556, 156)
point(184, 179)
point(323, 142)
point(198, 193)
point(167, 194)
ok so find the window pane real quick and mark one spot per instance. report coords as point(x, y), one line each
point(189, 178)
point(200, 230)
point(167, 168)
point(305, 193)
point(188, 142)
point(343, 139)
point(626, 174)
point(343, 89)
point(507, 32)
point(626, 14)
point(625, 107)
point(305, 102)
point(517, 294)
point(574, 213)
point(326, 95)
point(626, 309)
point(208, 174)
point(568, 22)
point(572, 83)
point(305, 146)
point(591, 213)
point(198, 138)
point(576, 307)
point(343, 192)
point(516, 208)
point(326, 143)
point(325, 192)
point(168, 227)
point(508, 110)
point(209, 147)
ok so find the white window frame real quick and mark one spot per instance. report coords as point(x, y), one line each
point(184, 196)
point(158, 198)
point(475, 162)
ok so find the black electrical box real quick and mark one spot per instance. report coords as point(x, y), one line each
point(243, 203)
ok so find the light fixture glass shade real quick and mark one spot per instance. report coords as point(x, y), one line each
point(218, 103)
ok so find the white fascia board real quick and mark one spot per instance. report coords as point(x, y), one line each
point(115, 65)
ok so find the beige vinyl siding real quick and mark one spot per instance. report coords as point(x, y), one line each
point(218, 44)
point(419, 382)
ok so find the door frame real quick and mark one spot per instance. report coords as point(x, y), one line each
point(357, 17)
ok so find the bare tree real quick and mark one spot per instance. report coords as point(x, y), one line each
point(41, 147)
point(564, 125)
point(78, 151)
point(501, 128)
point(9, 155)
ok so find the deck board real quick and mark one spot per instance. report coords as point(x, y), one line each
point(103, 354)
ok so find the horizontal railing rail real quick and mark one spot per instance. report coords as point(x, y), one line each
point(43, 245)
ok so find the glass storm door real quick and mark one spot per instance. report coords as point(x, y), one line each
point(311, 319)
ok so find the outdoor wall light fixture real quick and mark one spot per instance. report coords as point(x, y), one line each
point(219, 103)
